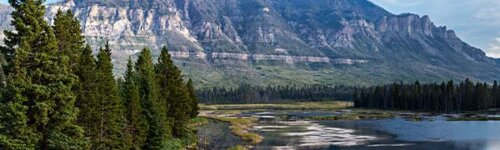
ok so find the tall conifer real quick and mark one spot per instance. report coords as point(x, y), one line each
point(153, 108)
point(38, 110)
point(193, 99)
point(86, 93)
point(136, 120)
point(110, 107)
point(176, 94)
point(3, 63)
point(68, 33)
point(496, 94)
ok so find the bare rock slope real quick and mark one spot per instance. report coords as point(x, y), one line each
point(269, 42)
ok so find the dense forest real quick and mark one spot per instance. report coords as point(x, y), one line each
point(55, 94)
point(275, 94)
point(444, 97)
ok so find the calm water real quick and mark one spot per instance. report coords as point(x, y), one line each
point(216, 136)
point(374, 134)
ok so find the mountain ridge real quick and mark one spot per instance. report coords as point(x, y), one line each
point(268, 42)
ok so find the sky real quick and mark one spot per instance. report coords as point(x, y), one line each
point(477, 22)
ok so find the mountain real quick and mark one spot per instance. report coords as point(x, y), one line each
point(270, 42)
point(5, 17)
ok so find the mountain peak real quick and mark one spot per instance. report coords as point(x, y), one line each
point(407, 23)
point(261, 41)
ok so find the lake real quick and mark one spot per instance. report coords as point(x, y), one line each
point(289, 130)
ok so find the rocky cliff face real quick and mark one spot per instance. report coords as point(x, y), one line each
point(5, 19)
point(280, 41)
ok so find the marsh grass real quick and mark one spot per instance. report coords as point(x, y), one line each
point(474, 118)
point(357, 115)
point(197, 122)
point(238, 147)
point(240, 127)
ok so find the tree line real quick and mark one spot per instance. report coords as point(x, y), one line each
point(55, 94)
point(444, 97)
point(274, 94)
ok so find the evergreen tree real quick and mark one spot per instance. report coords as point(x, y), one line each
point(136, 121)
point(152, 107)
point(193, 99)
point(68, 33)
point(495, 92)
point(110, 115)
point(164, 95)
point(86, 93)
point(175, 92)
point(38, 110)
point(3, 63)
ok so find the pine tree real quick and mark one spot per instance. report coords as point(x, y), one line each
point(82, 63)
point(136, 121)
point(164, 94)
point(450, 94)
point(152, 107)
point(495, 92)
point(3, 63)
point(110, 115)
point(176, 94)
point(69, 36)
point(193, 99)
point(38, 110)
point(86, 93)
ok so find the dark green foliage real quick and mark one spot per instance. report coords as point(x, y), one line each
point(136, 129)
point(50, 76)
point(193, 98)
point(37, 111)
point(86, 93)
point(3, 63)
point(69, 36)
point(495, 92)
point(275, 94)
point(109, 117)
point(153, 108)
point(175, 94)
point(444, 97)
point(70, 43)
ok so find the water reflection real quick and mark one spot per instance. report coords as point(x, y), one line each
point(288, 131)
point(216, 135)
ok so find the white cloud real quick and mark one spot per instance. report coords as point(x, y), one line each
point(494, 48)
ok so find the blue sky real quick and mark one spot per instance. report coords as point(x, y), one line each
point(475, 21)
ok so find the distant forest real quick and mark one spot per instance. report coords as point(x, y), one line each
point(444, 97)
point(275, 94)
